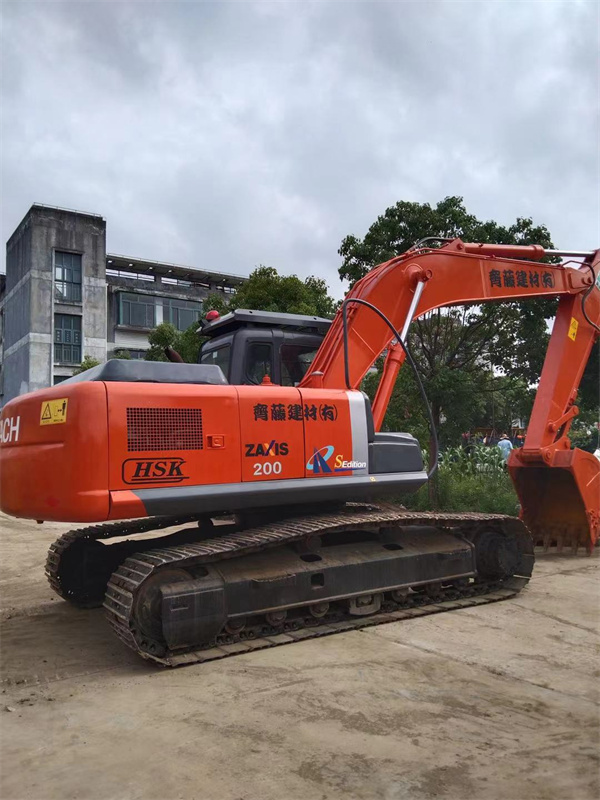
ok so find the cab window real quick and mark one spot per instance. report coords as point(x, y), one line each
point(295, 361)
point(259, 362)
point(219, 356)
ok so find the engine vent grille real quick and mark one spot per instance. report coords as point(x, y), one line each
point(164, 429)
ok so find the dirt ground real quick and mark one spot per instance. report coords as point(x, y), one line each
point(499, 701)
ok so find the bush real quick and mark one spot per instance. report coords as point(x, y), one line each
point(475, 480)
point(87, 363)
point(472, 461)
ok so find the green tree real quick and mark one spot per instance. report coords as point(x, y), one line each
point(589, 388)
point(216, 302)
point(584, 432)
point(186, 343)
point(267, 290)
point(505, 399)
point(87, 363)
point(458, 349)
point(516, 330)
point(403, 224)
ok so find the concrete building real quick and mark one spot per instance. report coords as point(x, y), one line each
point(63, 298)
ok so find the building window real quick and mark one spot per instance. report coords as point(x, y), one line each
point(132, 276)
point(181, 313)
point(137, 310)
point(60, 378)
point(67, 339)
point(175, 281)
point(134, 355)
point(67, 277)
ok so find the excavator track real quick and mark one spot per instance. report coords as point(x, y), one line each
point(131, 602)
point(79, 571)
point(65, 555)
point(78, 567)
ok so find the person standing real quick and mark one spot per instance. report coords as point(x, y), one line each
point(505, 446)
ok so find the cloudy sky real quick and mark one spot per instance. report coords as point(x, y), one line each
point(224, 135)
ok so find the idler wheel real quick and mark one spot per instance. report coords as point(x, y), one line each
point(497, 556)
point(84, 570)
point(148, 602)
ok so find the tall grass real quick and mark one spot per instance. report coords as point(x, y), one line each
point(468, 480)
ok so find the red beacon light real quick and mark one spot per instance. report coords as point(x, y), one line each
point(214, 314)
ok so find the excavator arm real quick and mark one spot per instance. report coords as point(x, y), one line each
point(558, 487)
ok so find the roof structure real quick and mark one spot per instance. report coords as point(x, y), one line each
point(242, 317)
point(121, 263)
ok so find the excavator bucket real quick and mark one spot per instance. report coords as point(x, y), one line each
point(559, 502)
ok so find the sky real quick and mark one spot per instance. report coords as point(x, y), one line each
point(231, 134)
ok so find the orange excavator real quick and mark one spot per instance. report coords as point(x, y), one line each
point(251, 483)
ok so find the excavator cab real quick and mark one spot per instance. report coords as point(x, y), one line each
point(247, 345)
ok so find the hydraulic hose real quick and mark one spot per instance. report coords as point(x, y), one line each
point(409, 358)
point(585, 297)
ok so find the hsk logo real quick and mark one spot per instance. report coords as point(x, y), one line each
point(317, 463)
point(153, 470)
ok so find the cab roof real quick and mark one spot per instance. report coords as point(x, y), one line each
point(244, 318)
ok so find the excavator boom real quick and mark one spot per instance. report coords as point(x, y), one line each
point(558, 487)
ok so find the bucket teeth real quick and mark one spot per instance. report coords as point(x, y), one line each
point(562, 540)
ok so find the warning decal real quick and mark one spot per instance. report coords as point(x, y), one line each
point(573, 328)
point(53, 412)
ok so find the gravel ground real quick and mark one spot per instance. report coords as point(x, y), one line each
point(499, 701)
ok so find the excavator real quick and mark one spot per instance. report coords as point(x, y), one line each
point(244, 497)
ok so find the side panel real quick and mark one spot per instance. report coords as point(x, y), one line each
point(54, 454)
point(263, 494)
point(335, 433)
point(172, 435)
point(272, 432)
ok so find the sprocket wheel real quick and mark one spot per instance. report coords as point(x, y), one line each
point(497, 555)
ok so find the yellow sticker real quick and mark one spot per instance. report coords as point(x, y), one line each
point(53, 412)
point(573, 328)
